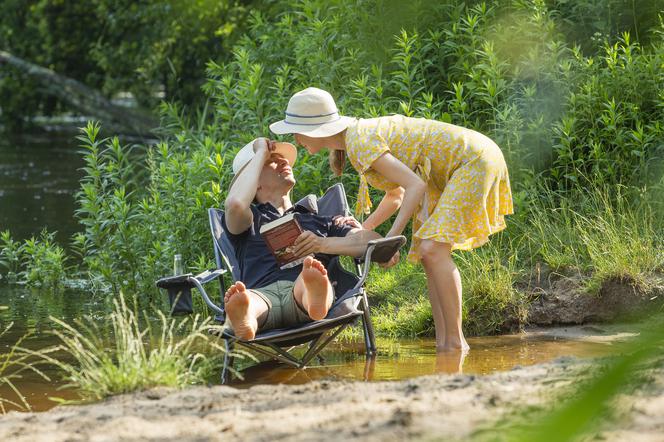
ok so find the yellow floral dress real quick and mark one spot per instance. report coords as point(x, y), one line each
point(468, 189)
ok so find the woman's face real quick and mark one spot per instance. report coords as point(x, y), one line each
point(313, 145)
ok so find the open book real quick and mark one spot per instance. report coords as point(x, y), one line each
point(279, 235)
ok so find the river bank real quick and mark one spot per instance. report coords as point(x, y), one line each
point(441, 406)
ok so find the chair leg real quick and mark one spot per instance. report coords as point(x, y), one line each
point(228, 362)
point(369, 337)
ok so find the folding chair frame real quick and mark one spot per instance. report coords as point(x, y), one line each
point(318, 334)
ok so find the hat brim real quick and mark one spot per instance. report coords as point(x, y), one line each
point(315, 131)
point(287, 150)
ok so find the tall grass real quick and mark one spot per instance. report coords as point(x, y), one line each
point(600, 234)
point(137, 355)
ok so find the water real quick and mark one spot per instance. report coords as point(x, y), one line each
point(342, 360)
point(410, 358)
point(38, 179)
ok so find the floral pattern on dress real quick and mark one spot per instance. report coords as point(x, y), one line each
point(468, 191)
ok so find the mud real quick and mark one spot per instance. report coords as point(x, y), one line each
point(562, 300)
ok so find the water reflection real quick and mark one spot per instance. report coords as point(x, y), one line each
point(38, 179)
point(410, 358)
point(396, 360)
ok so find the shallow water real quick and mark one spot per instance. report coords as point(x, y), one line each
point(410, 358)
point(342, 360)
point(39, 176)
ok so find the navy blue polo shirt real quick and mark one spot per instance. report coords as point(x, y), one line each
point(258, 267)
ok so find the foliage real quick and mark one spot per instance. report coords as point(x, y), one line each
point(575, 125)
point(42, 260)
point(152, 49)
point(10, 255)
point(136, 356)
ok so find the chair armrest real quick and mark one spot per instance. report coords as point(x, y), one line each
point(382, 250)
point(379, 250)
point(186, 279)
point(179, 290)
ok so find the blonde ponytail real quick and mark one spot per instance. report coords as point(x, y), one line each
point(337, 160)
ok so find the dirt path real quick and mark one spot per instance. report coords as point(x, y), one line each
point(421, 408)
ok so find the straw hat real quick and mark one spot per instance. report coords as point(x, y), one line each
point(311, 112)
point(242, 158)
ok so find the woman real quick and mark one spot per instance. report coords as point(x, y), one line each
point(451, 180)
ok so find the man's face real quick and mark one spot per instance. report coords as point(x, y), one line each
point(277, 174)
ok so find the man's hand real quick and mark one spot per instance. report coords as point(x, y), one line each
point(393, 260)
point(307, 243)
point(346, 220)
point(264, 144)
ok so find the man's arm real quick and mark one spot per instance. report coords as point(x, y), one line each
point(243, 191)
point(353, 244)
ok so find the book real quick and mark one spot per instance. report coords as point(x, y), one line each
point(279, 235)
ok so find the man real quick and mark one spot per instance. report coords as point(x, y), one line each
point(267, 297)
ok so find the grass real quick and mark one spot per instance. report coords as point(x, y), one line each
point(137, 355)
point(598, 235)
point(595, 235)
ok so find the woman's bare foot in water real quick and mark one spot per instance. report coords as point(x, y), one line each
point(317, 296)
point(453, 346)
point(236, 301)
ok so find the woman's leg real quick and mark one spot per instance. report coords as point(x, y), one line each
point(436, 308)
point(443, 275)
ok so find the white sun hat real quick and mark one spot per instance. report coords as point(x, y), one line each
point(244, 155)
point(311, 112)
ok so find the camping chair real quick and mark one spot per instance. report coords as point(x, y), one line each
point(350, 302)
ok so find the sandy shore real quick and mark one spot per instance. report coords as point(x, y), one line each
point(438, 406)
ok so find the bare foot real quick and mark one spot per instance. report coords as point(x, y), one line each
point(457, 346)
point(236, 301)
point(317, 296)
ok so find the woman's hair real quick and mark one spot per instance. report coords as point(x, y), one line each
point(337, 161)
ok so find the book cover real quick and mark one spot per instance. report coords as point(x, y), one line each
point(279, 235)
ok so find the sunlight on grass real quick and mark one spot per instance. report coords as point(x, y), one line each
point(136, 356)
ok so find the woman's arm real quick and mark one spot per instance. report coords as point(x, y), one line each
point(414, 188)
point(388, 205)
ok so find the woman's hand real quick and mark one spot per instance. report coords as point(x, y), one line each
point(350, 221)
point(393, 260)
point(307, 243)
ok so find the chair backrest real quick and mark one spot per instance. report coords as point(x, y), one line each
point(333, 202)
point(224, 253)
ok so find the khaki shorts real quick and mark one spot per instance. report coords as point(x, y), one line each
point(282, 310)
